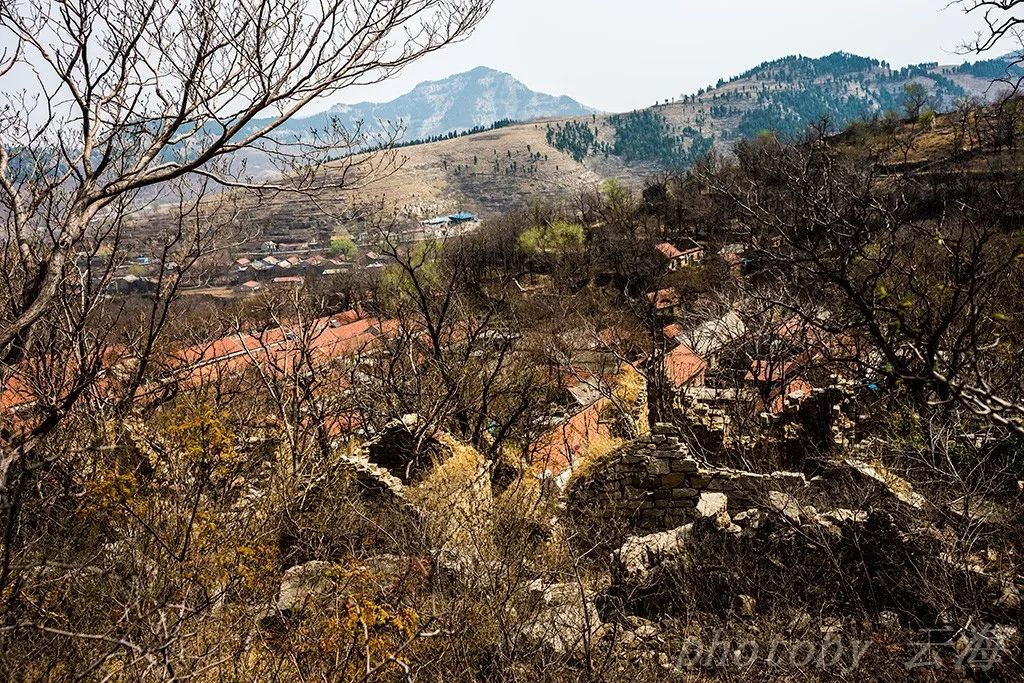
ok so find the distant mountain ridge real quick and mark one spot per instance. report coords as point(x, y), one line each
point(461, 102)
point(507, 165)
point(783, 97)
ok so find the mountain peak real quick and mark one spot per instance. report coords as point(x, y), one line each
point(462, 101)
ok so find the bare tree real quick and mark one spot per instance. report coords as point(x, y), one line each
point(129, 97)
point(1002, 22)
point(918, 268)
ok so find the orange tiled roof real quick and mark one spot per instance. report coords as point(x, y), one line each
point(768, 371)
point(799, 388)
point(668, 250)
point(664, 298)
point(682, 365)
point(557, 449)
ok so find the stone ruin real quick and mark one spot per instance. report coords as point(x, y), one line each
point(654, 484)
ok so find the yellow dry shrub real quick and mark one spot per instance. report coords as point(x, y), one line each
point(457, 501)
point(204, 439)
point(351, 619)
point(629, 385)
point(598, 451)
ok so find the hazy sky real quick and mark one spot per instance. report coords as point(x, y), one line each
point(617, 55)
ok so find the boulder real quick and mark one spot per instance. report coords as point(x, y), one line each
point(302, 584)
point(564, 619)
point(712, 504)
point(786, 505)
point(638, 558)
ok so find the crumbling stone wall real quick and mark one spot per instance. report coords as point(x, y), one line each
point(654, 484)
point(649, 485)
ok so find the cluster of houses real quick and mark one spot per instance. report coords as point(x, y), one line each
point(291, 265)
point(732, 365)
point(717, 371)
point(254, 273)
point(142, 276)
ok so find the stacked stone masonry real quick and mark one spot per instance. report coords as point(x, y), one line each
point(655, 484)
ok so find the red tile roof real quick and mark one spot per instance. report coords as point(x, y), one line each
point(668, 250)
point(799, 389)
point(769, 371)
point(559, 448)
point(683, 366)
point(664, 298)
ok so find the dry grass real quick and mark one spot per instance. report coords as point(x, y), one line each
point(457, 503)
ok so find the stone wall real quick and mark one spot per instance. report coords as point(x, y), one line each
point(655, 484)
point(649, 485)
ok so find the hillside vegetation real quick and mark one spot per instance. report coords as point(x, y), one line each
point(550, 450)
point(488, 171)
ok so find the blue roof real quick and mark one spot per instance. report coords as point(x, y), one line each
point(462, 216)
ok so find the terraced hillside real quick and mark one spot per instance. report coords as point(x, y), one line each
point(495, 170)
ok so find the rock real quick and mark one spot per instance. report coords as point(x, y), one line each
point(641, 628)
point(302, 584)
point(844, 516)
point(899, 488)
point(664, 429)
point(712, 504)
point(888, 619)
point(786, 505)
point(724, 523)
point(749, 523)
point(749, 518)
point(639, 556)
point(565, 620)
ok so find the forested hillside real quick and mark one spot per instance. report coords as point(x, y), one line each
point(782, 97)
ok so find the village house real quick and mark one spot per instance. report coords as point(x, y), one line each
point(291, 281)
point(686, 253)
point(666, 302)
point(708, 338)
point(684, 368)
point(672, 254)
point(692, 252)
